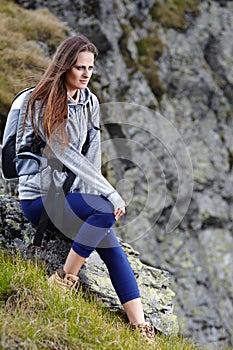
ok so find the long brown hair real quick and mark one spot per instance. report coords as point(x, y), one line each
point(51, 92)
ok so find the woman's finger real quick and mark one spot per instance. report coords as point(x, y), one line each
point(119, 212)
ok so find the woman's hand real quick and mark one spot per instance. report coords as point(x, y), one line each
point(119, 212)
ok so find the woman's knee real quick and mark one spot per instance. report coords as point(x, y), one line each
point(102, 219)
point(113, 255)
point(103, 212)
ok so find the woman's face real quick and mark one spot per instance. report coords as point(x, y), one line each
point(79, 75)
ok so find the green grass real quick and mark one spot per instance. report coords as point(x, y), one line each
point(33, 316)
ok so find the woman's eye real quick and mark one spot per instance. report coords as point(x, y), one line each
point(79, 67)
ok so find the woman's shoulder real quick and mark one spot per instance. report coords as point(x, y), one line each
point(20, 97)
point(87, 97)
point(93, 98)
point(93, 103)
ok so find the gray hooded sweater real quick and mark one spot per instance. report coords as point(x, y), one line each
point(86, 168)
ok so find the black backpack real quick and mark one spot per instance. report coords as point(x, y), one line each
point(13, 129)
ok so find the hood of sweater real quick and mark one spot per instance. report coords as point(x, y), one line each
point(84, 96)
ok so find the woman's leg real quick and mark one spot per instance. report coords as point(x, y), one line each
point(134, 311)
point(96, 216)
point(123, 280)
point(73, 263)
point(92, 214)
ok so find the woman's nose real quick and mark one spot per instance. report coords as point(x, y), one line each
point(86, 73)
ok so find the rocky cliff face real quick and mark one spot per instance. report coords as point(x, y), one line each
point(165, 84)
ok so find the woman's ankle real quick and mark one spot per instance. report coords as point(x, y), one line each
point(134, 311)
point(73, 263)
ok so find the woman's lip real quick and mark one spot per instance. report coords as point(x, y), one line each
point(83, 81)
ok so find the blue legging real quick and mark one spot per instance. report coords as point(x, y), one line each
point(88, 220)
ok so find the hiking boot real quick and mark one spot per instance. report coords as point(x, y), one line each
point(67, 282)
point(146, 331)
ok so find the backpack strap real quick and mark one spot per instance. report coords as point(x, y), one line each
point(45, 215)
point(89, 108)
point(21, 92)
point(20, 125)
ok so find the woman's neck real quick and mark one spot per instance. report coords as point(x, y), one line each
point(74, 96)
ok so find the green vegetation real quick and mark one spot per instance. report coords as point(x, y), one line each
point(149, 50)
point(33, 316)
point(172, 13)
point(22, 59)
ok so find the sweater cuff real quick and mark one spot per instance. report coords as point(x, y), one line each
point(116, 200)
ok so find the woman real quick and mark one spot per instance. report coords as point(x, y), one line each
point(57, 116)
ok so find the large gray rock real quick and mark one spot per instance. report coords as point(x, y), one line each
point(157, 297)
